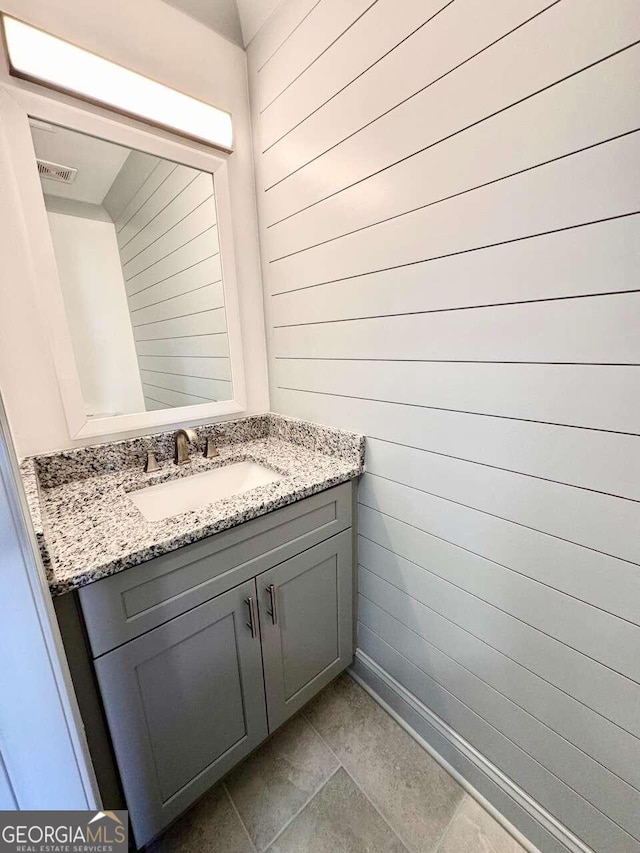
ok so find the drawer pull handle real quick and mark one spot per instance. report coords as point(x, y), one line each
point(251, 624)
point(273, 598)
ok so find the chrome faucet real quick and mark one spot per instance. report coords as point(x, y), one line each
point(182, 439)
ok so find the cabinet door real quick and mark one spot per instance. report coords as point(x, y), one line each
point(306, 621)
point(184, 702)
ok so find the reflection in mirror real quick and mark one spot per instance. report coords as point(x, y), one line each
point(136, 245)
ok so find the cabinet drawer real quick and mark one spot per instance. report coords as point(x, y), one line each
point(134, 601)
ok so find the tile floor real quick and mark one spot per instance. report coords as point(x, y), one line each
point(340, 777)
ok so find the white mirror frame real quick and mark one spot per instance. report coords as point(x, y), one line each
point(16, 106)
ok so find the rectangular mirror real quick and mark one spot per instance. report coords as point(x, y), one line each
point(137, 248)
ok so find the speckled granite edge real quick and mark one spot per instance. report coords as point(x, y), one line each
point(32, 493)
point(81, 532)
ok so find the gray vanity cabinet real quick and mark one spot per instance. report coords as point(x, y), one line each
point(184, 702)
point(306, 624)
point(202, 652)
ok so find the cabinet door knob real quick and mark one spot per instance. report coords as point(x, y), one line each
point(273, 600)
point(251, 624)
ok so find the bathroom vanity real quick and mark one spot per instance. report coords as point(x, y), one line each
point(205, 630)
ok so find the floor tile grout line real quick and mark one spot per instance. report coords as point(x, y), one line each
point(455, 814)
point(238, 815)
point(303, 807)
point(359, 787)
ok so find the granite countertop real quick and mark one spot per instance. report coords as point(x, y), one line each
point(88, 528)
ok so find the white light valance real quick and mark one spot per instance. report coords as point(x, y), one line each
point(45, 59)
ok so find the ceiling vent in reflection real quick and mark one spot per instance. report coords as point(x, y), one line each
point(56, 172)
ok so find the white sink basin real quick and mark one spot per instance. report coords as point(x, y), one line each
point(187, 493)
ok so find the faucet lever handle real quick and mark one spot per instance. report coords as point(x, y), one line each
point(210, 451)
point(151, 464)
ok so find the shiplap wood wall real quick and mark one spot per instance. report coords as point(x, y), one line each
point(449, 200)
point(165, 218)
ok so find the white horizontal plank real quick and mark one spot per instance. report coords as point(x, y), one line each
point(140, 195)
point(194, 206)
point(594, 827)
point(594, 184)
point(593, 259)
point(203, 346)
point(176, 181)
point(199, 249)
point(326, 22)
point(454, 37)
point(487, 152)
point(276, 30)
point(594, 396)
point(198, 222)
point(171, 399)
point(588, 459)
point(594, 330)
point(208, 271)
point(206, 389)
point(207, 367)
point(604, 691)
point(582, 774)
point(513, 509)
point(581, 726)
point(574, 33)
point(203, 299)
point(176, 241)
point(376, 33)
point(203, 323)
point(589, 630)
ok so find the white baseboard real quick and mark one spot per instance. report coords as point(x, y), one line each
point(525, 819)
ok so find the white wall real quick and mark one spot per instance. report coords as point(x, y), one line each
point(156, 40)
point(448, 198)
point(96, 306)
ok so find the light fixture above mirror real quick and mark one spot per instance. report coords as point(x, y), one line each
point(40, 57)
